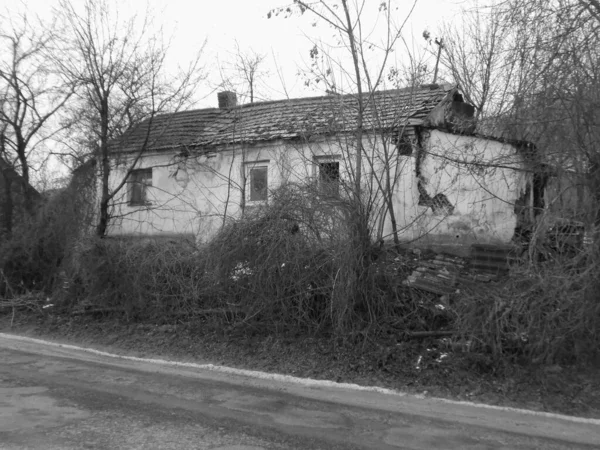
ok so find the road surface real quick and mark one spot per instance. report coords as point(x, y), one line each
point(56, 397)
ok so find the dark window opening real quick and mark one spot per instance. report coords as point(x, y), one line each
point(329, 177)
point(139, 182)
point(259, 183)
point(405, 147)
point(458, 98)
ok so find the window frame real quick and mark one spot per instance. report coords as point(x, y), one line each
point(249, 191)
point(327, 188)
point(139, 179)
point(405, 146)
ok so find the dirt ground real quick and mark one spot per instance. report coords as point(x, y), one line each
point(421, 366)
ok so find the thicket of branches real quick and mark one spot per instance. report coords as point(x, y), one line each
point(32, 259)
point(286, 269)
point(531, 71)
point(542, 313)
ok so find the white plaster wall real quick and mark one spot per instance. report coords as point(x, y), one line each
point(213, 190)
point(483, 195)
point(479, 177)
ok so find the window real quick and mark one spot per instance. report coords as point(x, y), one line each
point(259, 183)
point(329, 178)
point(405, 147)
point(139, 182)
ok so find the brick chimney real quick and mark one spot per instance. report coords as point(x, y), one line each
point(227, 99)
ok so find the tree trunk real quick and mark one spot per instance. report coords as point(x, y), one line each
point(105, 167)
point(21, 149)
point(390, 205)
point(361, 222)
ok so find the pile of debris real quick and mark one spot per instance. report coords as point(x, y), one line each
point(444, 273)
point(439, 275)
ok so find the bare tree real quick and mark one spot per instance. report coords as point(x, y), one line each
point(473, 52)
point(369, 59)
point(531, 68)
point(31, 95)
point(118, 65)
point(357, 64)
point(556, 100)
point(244, 73)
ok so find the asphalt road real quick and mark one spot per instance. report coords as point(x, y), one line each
point(53, 397)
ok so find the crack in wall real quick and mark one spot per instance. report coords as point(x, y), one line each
point(439, 203)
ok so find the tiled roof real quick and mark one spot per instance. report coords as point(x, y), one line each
point(284, 119)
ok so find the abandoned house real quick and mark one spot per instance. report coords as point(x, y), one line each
point(449, 185)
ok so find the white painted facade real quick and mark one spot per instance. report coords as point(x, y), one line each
point(481, 178)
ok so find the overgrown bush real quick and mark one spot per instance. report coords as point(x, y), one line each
point(289, 266)
point(144, 279)
point(31, 255)
point(543, 313)
point(293, 265)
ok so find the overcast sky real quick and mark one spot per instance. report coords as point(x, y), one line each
point(284, 42)
point(280, 39)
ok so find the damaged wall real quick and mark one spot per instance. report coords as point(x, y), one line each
point(458, 190)
point(451, 189)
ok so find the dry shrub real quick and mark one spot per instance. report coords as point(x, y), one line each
point(31, 256)
point(545, 312)
point(289, 266)
point(276, 265)
point(293, 265)
point(145, 279)
point(275, 262)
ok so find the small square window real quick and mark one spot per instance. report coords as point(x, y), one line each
point(329, 178)
point(139, 182)
point(259, 184)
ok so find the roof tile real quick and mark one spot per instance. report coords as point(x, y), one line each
point(283, 119)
